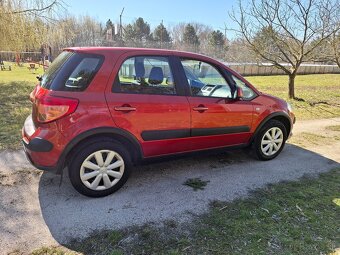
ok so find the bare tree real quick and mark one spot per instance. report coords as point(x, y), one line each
point(282, 31)
point(44, 9)
point(176, 34)
point(20, 22)
point(239, 51)
point(334, 42)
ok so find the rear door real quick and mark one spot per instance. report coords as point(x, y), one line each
point(147, 100)
point(217, 120)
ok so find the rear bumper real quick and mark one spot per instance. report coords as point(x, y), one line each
point(43, 146)
point(52, 169)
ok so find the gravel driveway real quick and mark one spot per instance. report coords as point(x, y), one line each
point(36, 211)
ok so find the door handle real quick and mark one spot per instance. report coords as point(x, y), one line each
point(125, 108)
point(201, 108)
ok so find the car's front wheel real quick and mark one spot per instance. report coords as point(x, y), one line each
point(270, 141)
point(100, 168)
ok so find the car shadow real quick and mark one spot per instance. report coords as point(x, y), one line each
point(155, 192)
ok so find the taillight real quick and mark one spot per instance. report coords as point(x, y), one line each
point(49, 108)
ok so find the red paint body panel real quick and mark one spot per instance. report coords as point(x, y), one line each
point(153, 112)
point(220, 113)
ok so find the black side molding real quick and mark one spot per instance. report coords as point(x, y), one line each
point(165, 134)
point(151, 135)
point(39, 145)
point(219, 130)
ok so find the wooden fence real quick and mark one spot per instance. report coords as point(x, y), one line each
point(267, 69)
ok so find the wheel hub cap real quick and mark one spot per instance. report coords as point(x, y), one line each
point(102, 169)
point(272, 141)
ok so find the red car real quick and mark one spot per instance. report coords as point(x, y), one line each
point(98, 111)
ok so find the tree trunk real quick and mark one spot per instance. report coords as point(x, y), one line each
point(291, 83)
point(337, 61)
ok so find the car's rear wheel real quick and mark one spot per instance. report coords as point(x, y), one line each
point(270, 140)
point(100, 168)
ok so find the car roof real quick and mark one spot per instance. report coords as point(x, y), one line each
point(149, 51)
point(122, 50)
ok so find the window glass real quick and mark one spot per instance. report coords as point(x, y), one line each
point(248, 93)
point(51, 71)
point(205, 80)
point(71, 71)
point(146, 75)
point(83, 73)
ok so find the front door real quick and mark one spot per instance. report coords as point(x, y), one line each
point(217, 119)
point(147, 102)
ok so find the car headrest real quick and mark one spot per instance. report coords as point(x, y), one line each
point(156, 75)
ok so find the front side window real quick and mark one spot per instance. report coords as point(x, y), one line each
point(205, 80)
point(145, 75)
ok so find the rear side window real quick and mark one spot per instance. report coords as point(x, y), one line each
point(51, 72)
point(145, 75)
point(72, 71)
point(83, 73)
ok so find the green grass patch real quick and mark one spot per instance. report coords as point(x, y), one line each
point(196, 183)
point(334, 128)
point(320, 92)
point(15, 87)
point(14, 108)
point(286, 218)
point(306, 139)
point(51, 251)
point(20, 73)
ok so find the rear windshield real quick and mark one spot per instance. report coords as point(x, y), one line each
point(71, 71)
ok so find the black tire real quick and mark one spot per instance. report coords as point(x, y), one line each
point(86, 150)
point(257, 142)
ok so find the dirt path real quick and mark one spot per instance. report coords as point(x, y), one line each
point(315, 126)
point(36, 211)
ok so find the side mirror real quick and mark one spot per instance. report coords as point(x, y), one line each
point(239, 93)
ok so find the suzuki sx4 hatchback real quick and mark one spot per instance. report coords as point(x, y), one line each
point(98, 111)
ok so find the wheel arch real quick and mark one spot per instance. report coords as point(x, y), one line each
point(280, 116)
point(121, 136)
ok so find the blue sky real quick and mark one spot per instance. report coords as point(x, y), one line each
point(211, 12)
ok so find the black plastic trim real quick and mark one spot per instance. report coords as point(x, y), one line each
point(39, 145)
point(165, 134)
point(219, 130)
point(151, 135)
